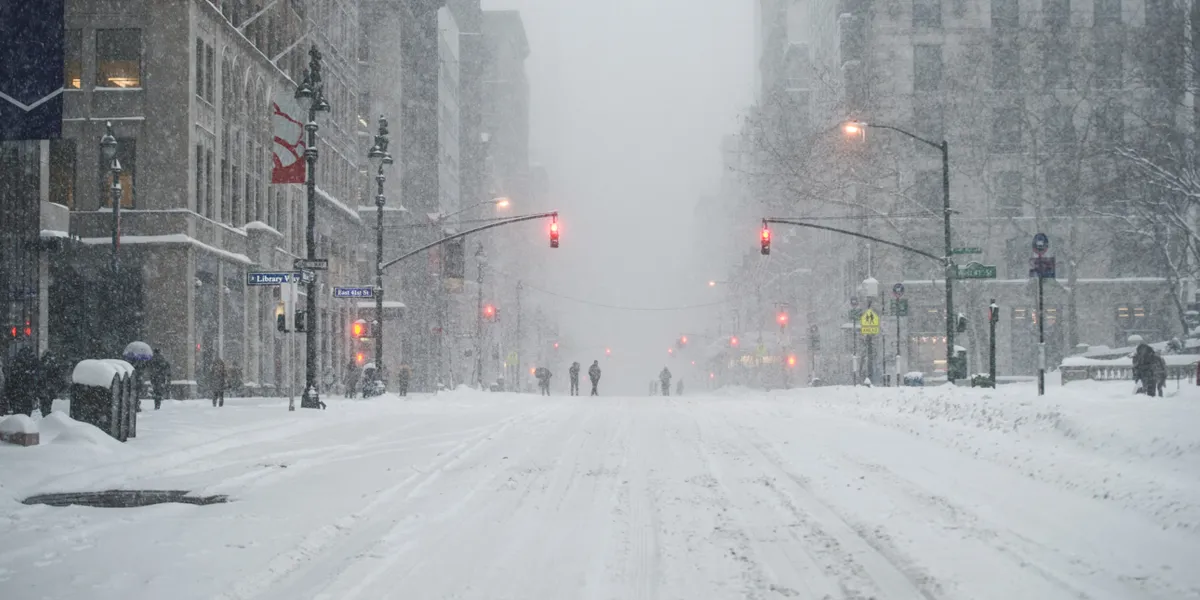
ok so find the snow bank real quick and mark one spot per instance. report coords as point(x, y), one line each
point(1091, 437)
point(97, 373)
point(60, 429)
point(18, 424)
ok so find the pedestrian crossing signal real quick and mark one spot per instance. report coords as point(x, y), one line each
point(302, 321)
point(766, 239)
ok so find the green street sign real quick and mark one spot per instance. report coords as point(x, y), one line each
point(976, 271)
point(899, 308)
point(966, 251)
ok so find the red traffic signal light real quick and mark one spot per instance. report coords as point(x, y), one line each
point(684, 340)
point(782, 318)
point(360, 358)
point(766, 239)
point(608, 351)
point(358, 329)
point(556, 345)
point(554, 233)
point(733, 341)
point(489, 311)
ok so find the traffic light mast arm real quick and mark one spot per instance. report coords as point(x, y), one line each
point(798, 223)
point(507, 221)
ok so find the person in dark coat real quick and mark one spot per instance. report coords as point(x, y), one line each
point(51, 375)
point(402, 377)
point(1160, 374)
point(543, 376)
point(574, 374)
point(21, 387)
point(594, 375)
point(665, 378)
point(160, 375)
point(351, 381)
point(217, 376)
point(1143, 369)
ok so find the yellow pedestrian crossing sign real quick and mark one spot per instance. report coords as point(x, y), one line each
point(869, 322)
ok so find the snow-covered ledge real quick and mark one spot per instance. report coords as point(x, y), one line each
point(19, 430)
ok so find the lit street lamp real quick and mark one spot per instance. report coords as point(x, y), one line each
point(859, 128)
point(311, 96)
point(379, 158)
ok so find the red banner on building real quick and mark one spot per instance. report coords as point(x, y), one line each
point(287, 125)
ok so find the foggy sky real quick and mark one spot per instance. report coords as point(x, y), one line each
point(630, 99)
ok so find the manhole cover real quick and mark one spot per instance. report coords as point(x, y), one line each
point(123, 498)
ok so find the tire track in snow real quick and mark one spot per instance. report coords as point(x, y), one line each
point(644, 522)
point(862, 569)
point(325, 539)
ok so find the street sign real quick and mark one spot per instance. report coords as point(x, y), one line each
point(975, 271)
point(899, 307)
point(305, 276)
point(268, 278)
point(898, 290)
point(312, 264)
point(869, 322)
point(966, 251)
point(1041, 243)
point(354, 292)
point(1042, 266)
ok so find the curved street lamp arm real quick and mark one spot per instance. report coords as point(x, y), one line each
point(798, 223)
point(937, 145)
point(508, 221)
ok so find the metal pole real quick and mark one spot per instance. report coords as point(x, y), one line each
point(950, 317)
point(898, 373)
point(1041, 339)
point(993, 316)
point(479, 319)
point(311, 397)
point(518, 381)
point(379, 202)
point(115, 192)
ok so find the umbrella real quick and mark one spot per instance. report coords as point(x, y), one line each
point(138, 351)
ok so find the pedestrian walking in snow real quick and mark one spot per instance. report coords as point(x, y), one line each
point(1160, 374)
point(217, 377)
point(402, 377)
point(51, 381)
point(21, 387)
point(665, 378)
point(352, 376)
point(543, 376)
point(574, 374)
point(1143, 370)
point(594, 375)
point(160, 376)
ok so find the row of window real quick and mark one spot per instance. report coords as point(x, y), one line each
point(118, 58)
point(1007, 74)
point(1006, 14)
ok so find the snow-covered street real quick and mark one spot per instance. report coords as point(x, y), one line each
point(814, 493)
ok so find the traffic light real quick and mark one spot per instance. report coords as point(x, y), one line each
point(608, 351)
point(783, 319)
point(766, 239)
point(683, 340)
point(281, 318)
point(671, 351)
point(360, 358)
point(733, 341)
point(556, 345)
point(375, 328)
point(301, 321)
point(791, 359)
point(358, 329)
point(489, 312)
point(554, 233)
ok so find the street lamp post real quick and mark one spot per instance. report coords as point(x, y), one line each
point(311, 95)
point(108, 147)
point(480, 257)
point(379, 158)
point(859, 128)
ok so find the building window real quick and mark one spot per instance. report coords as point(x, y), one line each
point(209, 67)
point(200, 207)
point(208, 187)
point(927, 13)
point(1110, 124)
point(1006, 129)
point(1057, 66)
point(1106, 13)
point(73, 59)
point(199, 68)
point(1006, 63)
point(927, 68)
point(1008, 195)
point(62, 172)
point(1005, 14)
point(1108, 64)
point(1056, 14)
point(119, 58)
point(127, 155)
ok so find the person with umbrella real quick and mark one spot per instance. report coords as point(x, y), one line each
point(138, 354)
point(160, 374)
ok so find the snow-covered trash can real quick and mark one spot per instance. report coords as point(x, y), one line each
point(19, 430)
point(101, 392)
point(130, 398)
point(914, 379)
